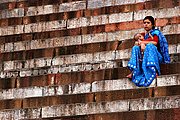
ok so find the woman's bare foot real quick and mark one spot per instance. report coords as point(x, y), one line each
point(156, 74)
point(129, 76)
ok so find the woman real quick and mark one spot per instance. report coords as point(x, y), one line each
point(145, 67)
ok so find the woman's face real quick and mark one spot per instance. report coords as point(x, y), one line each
point(147, 25)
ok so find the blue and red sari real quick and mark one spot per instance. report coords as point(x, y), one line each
point(144, 68)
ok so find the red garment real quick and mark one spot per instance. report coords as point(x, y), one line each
point(155, 39)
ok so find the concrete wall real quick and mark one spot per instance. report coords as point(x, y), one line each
point(66, 60)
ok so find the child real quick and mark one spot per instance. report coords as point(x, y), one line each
point(139, 37)
point(140, 41)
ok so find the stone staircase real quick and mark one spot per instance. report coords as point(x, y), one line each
point(66, 60)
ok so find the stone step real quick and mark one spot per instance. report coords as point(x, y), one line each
point(85, 21)
point(69, 63)
point(77, 77)
point(36, 9)
point(20, 53)
point(84, 87)
point(109, 95)
point(167, 102)
point(165, 114)
point(75, 37)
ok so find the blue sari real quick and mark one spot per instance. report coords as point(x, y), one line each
point(144, 68)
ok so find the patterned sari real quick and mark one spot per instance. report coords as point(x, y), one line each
point(144, 68)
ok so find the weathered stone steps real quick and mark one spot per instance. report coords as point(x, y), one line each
point(167, 102)
point(74, 24)
point(69, 63)
point(83, 87)
point(168, 114)
point(100, 73)
point(120, 89)
point(90, 97)
point(51, 12)
point(49, 7)
point(66, 60)
point(11, 51)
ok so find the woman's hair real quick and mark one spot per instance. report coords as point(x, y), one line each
point(150, 18)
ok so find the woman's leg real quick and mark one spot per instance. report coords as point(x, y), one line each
point(134, 64)
point(150, 64)
point(134, 59)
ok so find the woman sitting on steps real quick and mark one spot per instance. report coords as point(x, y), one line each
point(148, 54)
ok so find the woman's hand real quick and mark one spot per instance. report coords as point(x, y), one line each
point(136, 43)
point(139, 41)
point(143, 46)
